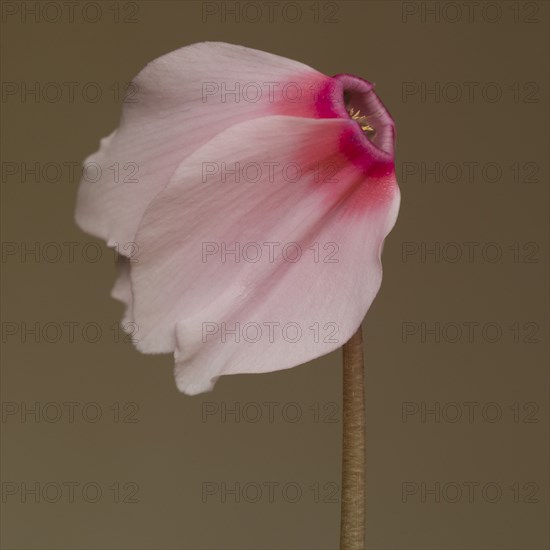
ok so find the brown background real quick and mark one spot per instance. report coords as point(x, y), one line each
point(170, 451)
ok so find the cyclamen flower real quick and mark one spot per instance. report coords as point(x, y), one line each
point(264, 192)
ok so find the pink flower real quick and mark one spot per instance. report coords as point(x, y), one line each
point(256, 193)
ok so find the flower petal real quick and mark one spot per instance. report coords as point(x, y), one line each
point(306, 212)
point(122, 289)
point(179, 102)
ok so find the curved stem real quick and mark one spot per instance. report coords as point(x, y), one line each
point(352, 519)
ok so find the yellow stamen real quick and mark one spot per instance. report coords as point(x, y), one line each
point(361, 119)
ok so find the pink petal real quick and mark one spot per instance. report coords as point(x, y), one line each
point(343, 197)
point(122, 290)
point(175, 110)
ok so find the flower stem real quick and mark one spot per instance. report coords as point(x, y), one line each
point(352, 519)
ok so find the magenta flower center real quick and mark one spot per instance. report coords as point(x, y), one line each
point(348, 96)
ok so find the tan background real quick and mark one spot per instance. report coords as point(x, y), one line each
point(170, 451)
